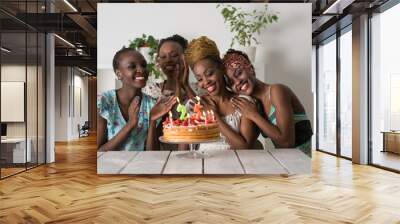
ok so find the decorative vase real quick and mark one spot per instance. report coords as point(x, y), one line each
point(145, 52)
point(250, 51)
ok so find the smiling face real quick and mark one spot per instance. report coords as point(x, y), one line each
point(209, 76)
point(132, 69)
point(241, 81)
point(240, 72)
point(169, 57)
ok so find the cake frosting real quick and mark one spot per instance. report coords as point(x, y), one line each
point(193, 128)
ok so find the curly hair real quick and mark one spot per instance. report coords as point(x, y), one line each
point(174, 38)
point(202, 48)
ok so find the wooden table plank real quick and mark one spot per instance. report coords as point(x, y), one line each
point(222, 162)
point(276, 161)
point(260, 162)
point(180, 165)
point(99, 154)
point(293, 159)
point(113, 162)
point(147, 162)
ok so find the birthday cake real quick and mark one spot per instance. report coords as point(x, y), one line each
point(201, 126)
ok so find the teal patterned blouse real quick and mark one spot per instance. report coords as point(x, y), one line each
point(108, 107)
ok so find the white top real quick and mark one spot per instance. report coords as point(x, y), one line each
point(233, 120)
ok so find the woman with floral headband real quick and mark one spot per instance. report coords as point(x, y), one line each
point(237, 131)
point(282, 117)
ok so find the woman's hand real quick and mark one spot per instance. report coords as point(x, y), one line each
point(181, 73)
point(182, 78)
point(210, 104)
point(133, 112)
point(184, 72)
point(246, 108)
point(162, 107)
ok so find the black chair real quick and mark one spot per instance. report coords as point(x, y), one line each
point(84, 130)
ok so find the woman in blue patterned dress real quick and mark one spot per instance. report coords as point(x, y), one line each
point(124, 114)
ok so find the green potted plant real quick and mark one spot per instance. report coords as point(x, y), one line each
point(246, 25)
point(147, 46)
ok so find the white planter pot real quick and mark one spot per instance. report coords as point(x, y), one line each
point(250, 51)
point(145, 52)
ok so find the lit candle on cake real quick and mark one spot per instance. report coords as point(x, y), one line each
point(205, 117)
point(197, 108)
point(182, 109)
point(212, 116)
point(209, 115)
point(170, 119)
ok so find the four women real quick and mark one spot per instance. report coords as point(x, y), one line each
point(242, 104)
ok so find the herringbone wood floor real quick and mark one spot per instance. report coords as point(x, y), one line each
point(70, 191)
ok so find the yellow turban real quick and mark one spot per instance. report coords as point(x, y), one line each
point(201, 48)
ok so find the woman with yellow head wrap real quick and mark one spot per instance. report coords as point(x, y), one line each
point(204, 59)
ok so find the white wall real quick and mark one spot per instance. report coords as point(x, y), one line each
point(81, 83)
point(33, 126)
point(106, 80)
point(68, 80)
point(314, 91)
point(14, 72)
point(50, 95)
point(360, 90)
point(61, 103)
point(17, 73)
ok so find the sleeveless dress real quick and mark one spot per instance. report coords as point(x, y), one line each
point(233, 120)
point(303, 130)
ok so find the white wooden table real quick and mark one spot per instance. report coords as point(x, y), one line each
point(276, 161)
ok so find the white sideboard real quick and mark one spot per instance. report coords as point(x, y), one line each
point(17, 147)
